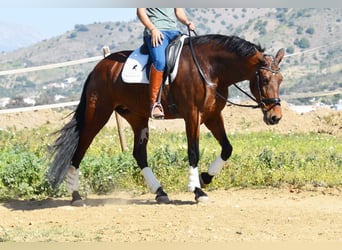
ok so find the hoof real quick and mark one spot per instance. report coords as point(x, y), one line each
point(77, 200)
point(162, 197)
point(205, 179)
point(200, 196)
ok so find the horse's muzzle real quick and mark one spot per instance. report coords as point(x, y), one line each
point(273, 115)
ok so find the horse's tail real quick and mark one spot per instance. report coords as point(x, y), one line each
point(66, 144)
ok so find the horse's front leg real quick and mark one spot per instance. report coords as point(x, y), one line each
point(192, 130)
point(216, 126)
point(141, 136)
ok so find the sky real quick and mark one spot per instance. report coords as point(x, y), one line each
point(178, 3)
point(51, 22)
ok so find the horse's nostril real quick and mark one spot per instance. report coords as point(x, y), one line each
point(275, 119)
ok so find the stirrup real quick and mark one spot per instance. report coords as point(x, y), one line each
point(159, 115)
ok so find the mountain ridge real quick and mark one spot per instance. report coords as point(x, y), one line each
point(296, 30)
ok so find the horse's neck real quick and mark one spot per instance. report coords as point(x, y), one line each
point(226, 67)
point(238, 70)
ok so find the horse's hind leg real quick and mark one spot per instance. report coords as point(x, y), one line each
point(216, 126)
point(94, 120)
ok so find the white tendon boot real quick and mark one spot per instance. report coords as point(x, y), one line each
point(193, 179)
point(72, 180)
point(216, 167)
point(195, 186)
point(150, 179)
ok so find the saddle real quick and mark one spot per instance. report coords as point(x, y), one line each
point(137, 65)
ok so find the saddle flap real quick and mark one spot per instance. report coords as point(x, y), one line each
point(173, 52)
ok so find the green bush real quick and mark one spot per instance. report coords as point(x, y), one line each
point(23, 176)
point(81, 28)
point(258, 159)
point(302, 43)
point(72, 35)
point(310, 31)
point(290, 50)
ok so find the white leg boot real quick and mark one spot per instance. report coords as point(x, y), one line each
point(72, 179)
point(150, 179)
point(216, 167)
point(193, 179)
point(72, 183)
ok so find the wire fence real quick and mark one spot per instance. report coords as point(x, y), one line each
point(105, 50)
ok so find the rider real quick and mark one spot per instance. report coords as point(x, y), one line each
point(160, 29)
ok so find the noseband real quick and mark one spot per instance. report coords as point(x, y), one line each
point(266, 101)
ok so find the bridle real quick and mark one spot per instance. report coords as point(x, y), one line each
point(261, 103)
point(266, 101)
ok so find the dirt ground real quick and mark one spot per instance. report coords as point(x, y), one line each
point(231, 216)
point(235, 215)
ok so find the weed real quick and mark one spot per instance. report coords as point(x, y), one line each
point(258, 159)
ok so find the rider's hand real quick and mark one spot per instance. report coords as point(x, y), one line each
point(156, 37)
point(191, 26)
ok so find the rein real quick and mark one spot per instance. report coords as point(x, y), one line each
point(210, 84)
point(260, 104)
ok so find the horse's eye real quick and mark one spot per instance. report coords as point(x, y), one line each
point(265, 81)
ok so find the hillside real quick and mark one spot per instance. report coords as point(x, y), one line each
point(237, 120)
point(317, 32)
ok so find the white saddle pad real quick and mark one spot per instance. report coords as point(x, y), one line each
point(134, 70)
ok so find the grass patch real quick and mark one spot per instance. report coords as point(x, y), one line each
point(258, 159)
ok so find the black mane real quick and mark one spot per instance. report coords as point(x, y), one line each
point(233, 44)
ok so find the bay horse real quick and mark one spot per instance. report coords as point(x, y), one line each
point(208, 65)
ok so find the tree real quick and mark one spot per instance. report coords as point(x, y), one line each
point(302, 43)
point(81, 27)
point(290, 50)
point(299, 30)
point(310, 30)
point(72, 35)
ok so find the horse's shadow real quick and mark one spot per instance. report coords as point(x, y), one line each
point(28, 205)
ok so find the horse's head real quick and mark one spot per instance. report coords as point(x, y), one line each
point(265, 86)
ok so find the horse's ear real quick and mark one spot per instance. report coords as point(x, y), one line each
point(279, 56)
